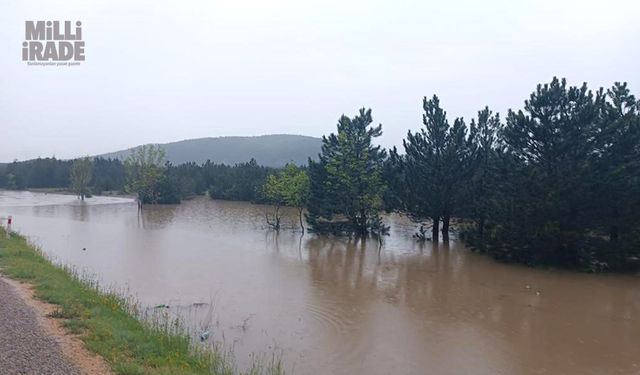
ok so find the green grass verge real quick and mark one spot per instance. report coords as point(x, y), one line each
point(106, 322)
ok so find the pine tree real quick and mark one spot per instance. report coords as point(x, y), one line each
point(485, 151)
point(434, 168)
point(617, 175)
point(346, 182)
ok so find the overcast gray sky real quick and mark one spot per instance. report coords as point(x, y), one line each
point(160, 71)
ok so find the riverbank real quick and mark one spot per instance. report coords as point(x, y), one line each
point(106, 322)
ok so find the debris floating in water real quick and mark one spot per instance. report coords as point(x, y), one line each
point(204, 336)
point(161, 306)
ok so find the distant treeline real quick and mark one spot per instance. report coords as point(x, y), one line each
point(555, 183)
point(242, 181)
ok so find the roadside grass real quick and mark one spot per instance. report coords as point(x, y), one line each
point(110, 324)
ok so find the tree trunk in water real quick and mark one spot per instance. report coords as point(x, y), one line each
point(276, 218)
point(614, 234)
point(435, 230)
point(445, 228)
point(300, 217)
point(614, 231)
point(363, 223)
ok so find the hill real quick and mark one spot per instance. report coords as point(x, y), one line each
point(268, 150)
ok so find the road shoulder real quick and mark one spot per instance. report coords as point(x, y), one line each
point(48, 331)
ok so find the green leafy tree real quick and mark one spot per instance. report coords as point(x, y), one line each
point(346, 183)
point(81, 171)
point(145, 170)
point(274, 192)
point(289, 187)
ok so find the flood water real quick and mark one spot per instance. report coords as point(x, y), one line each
point(340, 306)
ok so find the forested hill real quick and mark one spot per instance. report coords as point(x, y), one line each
point(268, 150)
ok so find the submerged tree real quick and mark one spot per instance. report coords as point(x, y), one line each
point(434, 168)
point(81, 176)
point(568, 180)
point(346, 183)
point(618, 165)
point(296, 192)
point(552, 144)
point(273, 191)
point(483, 178)
point(145, 169)
point(558, 184)
point(288, 187)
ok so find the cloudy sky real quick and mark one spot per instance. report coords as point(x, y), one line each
point(160, 71)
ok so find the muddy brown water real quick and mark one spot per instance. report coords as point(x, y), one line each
point(339, 306)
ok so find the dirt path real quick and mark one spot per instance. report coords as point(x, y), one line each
point(31, 343)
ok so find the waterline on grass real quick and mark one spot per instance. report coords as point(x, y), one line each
point(112, 323)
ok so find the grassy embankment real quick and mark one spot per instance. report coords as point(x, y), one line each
point(107, 323)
